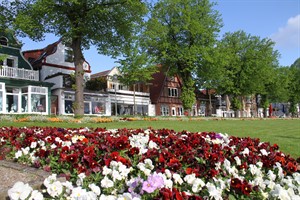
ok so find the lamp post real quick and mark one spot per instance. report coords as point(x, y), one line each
point(115, 78)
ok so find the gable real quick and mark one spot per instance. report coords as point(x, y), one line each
point(11, 48)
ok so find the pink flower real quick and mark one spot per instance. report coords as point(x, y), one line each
point(153, 182)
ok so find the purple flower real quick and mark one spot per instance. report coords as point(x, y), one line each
point(153, 182)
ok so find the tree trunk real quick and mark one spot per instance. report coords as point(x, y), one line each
point(228, 104)
point(134, 106)
point(210, 104)
point(79, 81)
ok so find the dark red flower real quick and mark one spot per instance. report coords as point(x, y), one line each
point(72, 158)
point(236, 183)
point(246, 188)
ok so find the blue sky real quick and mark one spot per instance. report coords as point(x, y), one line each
point(278, 20)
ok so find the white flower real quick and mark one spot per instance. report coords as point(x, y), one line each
point(106, 171)
point(49, 180)
point(168, 183)
point(68, 186)
point(148, 163)
point(95, 188)
point(19, 191)
point(168, 173)
point(237, 160)
point(107, 197)
point(53, 146)
point(33, 145)
point(36, 195)
point(245, 152)
point(116, 175)
point(263, 152)
point(177, 179)
point(79, 181)
point(153, 145)
point(213, 191)
point(25, 150)
point(190, 178)
point(280, 192)
point(18, 154)
point(271, 175)
point(198, 184)
point(55, 189)
point(106, 182)
point(78, 193)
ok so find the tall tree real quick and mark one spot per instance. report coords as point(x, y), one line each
point(249, 64)
point(178, 33)
point(294, 89)
point(106, 24)
point(136, 67)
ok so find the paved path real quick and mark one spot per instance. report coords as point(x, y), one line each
point(11, 172)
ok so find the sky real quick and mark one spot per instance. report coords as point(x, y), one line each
point(278, 20)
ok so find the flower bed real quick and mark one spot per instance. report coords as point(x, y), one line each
point(150, 164)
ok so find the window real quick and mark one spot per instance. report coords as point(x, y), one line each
point(173, 92)
point(120, 87)
point(164, 109)
point(10, 62)
point(180, 111)
point(3, 41)
point(69, 57)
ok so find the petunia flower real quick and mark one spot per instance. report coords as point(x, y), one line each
point(19, 191)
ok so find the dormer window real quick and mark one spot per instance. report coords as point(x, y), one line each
point(69, 56)
point(3, 41)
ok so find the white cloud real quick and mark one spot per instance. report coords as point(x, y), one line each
point(288, 36)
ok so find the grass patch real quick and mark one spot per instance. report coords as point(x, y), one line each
point(285, 133)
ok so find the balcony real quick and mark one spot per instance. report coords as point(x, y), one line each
point(19, 73)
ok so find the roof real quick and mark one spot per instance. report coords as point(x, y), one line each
point(100, 74)
point(35, 57)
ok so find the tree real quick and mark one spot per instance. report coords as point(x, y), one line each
point(97, 84)
point(294, 90)
point(248, 65)
point(179, 33)
point(81, 23)
point(136, 67)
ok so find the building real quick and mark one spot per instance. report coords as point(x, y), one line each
point(126, 100)
point(55, 65)
point(21, 90)
point(165, 94)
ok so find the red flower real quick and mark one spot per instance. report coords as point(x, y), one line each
point(73, 158)
point(236, 183)
point(246, 188)
point(115, 155)
point(174, 164)
point(291, 167)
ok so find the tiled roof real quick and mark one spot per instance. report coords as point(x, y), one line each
point(100, 74)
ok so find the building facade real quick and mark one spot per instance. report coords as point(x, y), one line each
point(126, 100)
point(56, 65)
point(21, 91)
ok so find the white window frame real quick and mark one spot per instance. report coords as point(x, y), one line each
point(173, 92)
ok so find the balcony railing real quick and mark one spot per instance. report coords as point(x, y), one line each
point(19, 73)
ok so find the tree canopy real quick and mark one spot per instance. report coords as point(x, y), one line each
point(178, 33)
point(105, 24)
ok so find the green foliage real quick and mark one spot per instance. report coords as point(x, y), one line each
point(178, 34)
point(96, 84)
point(236, 103)
point(188, 94)
point(248, 64)
point(106, 24)
point(136, 67)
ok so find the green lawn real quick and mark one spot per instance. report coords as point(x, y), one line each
point(285, 133)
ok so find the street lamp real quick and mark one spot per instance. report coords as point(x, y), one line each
point(115, 78)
